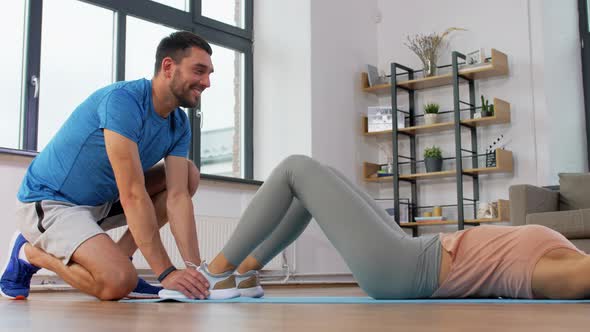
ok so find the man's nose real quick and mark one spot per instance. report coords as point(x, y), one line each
point(205, 81)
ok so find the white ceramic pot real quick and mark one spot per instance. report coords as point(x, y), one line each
point(430, 118)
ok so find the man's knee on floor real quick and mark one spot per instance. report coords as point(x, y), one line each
point(116, 284)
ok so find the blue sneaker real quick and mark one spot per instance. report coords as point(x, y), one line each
point(144, 290)
point(16, 274)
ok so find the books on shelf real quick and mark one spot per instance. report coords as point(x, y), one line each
point(419, 219)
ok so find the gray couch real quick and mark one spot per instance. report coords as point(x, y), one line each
point(565, 209)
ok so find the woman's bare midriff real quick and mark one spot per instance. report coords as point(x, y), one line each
point(543, 271)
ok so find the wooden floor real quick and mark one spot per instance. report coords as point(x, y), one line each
point(72, 311)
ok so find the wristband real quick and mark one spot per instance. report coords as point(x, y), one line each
point(166, 273)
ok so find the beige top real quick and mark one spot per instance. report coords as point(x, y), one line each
point(496, 261)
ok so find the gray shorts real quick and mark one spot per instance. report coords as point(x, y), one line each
point(59, 228)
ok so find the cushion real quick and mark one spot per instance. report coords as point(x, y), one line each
point(574, 190)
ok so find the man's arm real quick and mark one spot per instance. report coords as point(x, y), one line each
point(179, 207)
point(141, 216)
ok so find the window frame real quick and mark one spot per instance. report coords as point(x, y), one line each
point(584, 26)
point(219, 33)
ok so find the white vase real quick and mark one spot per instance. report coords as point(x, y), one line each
point(430, 118)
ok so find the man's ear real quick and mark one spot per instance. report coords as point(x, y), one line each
point(167, 67)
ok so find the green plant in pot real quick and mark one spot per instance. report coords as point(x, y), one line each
point(486, 108)
point(433, 159)
point(431, 113)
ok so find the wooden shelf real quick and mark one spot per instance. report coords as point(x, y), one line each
point(503, 216)
point(501, 116)
point(504, 164)
point(497, 67)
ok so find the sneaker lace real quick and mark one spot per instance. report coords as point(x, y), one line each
point(192, 265)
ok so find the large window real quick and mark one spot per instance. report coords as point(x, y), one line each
point(222, 109)
point(142, 39)
point(12, 19)
point(226, 11)
point(70, 74)
point(63, 50)
point(178, 4)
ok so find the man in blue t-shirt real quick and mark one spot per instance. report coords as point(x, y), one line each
point(101, 171)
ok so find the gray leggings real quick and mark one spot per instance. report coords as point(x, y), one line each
point(385, 261)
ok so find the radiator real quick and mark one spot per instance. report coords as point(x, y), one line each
point(214, 232)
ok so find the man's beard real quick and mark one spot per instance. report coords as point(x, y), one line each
point(181, 96)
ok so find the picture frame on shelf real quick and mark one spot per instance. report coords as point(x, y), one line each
point(373, 75)
point(379, 118)
point(475, 57)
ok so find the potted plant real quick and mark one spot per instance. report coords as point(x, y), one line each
point(486, 108)
point(427, 47)
point(430, 113)
point(433, 159)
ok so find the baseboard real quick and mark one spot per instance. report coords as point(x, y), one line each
point(268, 279)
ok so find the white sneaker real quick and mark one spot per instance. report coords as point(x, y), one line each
point(249, 284)
point(221, 286)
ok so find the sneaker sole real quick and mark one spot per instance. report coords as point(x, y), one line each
point(218, 294)
point(254, 292)
point(12, 241)
point(223, 294)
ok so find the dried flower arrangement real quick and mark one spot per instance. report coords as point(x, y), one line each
point(427, 46)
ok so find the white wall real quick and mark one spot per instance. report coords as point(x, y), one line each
point(282, 77)
point(12, 170)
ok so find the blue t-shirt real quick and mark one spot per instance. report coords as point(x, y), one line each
point(74, 166)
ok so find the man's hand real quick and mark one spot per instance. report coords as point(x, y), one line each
point(189, 282)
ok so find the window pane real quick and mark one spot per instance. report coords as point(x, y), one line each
point(178, 4)
point(12, 21)
point(223, 108)
point(141, 42)
point(76, 60)
point(227, 11)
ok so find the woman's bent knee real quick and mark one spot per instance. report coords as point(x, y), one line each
point(296, 162)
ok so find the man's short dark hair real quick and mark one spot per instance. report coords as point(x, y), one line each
point(176, 44)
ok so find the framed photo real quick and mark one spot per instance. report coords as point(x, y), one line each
point(475, 57)
point(373, 73)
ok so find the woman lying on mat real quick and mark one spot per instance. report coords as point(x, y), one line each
point(487, 261)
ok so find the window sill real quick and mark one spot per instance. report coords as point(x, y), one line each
point(228, 179)
point(16, 152)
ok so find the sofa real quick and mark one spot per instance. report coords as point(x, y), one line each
point(564, 208)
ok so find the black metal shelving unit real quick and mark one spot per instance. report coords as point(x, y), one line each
point(457, 79)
